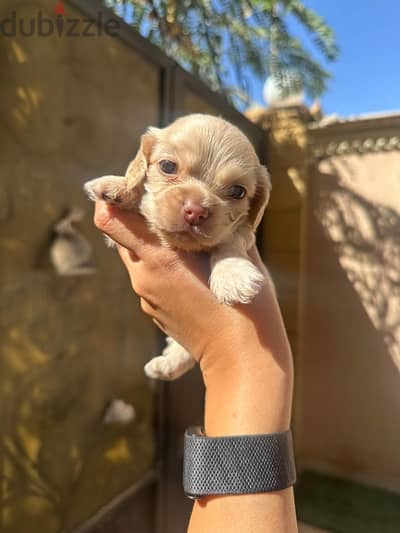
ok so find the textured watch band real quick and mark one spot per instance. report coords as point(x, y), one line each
point(237, 465)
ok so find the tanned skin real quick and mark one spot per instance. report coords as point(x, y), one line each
point(247, 367)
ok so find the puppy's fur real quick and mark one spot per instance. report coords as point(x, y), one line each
point(193, 202)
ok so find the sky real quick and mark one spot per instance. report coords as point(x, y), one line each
point(366, 75)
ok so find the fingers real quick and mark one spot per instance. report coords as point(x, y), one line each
point(148, 308)
point(138, 273)
point(127, 256)
point(143, 279)
point(125, 227)
point(160, 325)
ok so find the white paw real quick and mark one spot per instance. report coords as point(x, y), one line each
point(109, 242)
point(91, 190)
point(163, 367)
point(106, 188)
point(235, 280)
point(113, 190)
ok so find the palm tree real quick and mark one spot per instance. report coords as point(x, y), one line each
point(225, 42)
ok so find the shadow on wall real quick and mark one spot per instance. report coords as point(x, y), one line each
point(29, 473)
point(70, 345)
point(350, 361)
point(59, 455)
point(366, 240)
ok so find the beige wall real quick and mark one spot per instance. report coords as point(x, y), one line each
point(350, 357)
point(70, 109)
point(282, 233)
point(287, 143)
point(332, 243)
point(192, 103)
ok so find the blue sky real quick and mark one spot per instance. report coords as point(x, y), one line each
point(366, 76)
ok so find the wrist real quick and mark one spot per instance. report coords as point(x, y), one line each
point(243, 356)
point(248, 390)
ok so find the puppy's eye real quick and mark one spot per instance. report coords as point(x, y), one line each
point(237, 191)
point(168, 167)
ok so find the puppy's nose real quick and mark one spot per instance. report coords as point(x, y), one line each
point(194, 214)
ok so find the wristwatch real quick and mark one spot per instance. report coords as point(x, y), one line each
point(244, 464)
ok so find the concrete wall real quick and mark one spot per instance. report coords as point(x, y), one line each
point(70, 109)
point(286, 140)
point(331, 241)
point(350, 358)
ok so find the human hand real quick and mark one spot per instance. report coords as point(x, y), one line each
point(238, 347)
point(173, 285)
point(242, 350)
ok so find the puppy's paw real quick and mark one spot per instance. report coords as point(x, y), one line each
point(235, 280)
point(163, 367)
point(107, 188)
point(172, 364)
point(109, 242)
point(113, 190)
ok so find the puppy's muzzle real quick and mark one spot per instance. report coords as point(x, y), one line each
point(194, 214)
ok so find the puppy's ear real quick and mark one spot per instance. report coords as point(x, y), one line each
point(260, 200)
point(137, 169)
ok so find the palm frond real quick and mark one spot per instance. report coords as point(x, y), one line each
point(225, 40)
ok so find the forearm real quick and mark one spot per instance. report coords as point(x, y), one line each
point(253, 394)
point(243, 353)
point(242, 406)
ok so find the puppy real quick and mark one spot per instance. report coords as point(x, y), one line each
point(200, 186)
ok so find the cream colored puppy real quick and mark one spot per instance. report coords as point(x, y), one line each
point(200, 186)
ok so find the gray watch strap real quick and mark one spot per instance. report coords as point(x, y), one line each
point(242, 464)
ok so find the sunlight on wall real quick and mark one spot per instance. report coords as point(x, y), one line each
point(119, 452)
point(63, 121)
point(366, 233)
